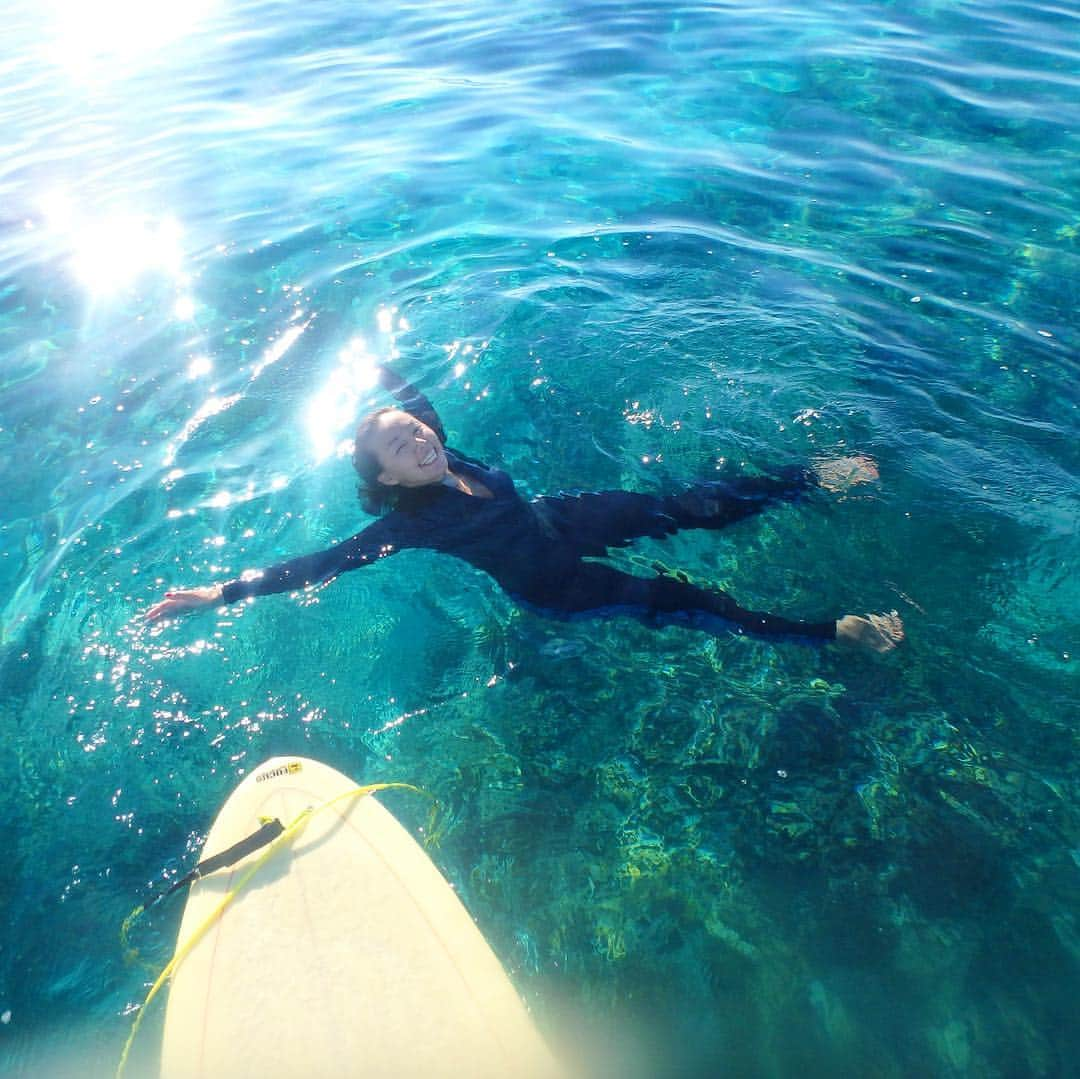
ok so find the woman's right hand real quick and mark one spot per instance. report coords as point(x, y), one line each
point(187, 599)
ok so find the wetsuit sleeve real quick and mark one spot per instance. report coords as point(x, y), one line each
point(412, 400)
point(374, 542)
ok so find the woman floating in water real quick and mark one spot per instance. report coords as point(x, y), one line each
point(433, 497)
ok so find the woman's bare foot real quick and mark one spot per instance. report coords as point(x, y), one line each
point(877, 632)
point(839, 473)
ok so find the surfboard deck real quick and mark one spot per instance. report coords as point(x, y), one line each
point(346, 954)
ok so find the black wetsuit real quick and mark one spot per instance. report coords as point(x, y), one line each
point(537, 550)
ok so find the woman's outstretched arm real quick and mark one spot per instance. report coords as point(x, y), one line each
point(376, 541)
point(411, 400)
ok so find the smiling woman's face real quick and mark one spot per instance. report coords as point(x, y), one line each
point(408, 451)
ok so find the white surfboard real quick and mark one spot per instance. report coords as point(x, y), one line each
point(346, 954)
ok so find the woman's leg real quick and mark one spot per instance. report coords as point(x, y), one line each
point(594, 522)
point(723, 502)
point(596, 590)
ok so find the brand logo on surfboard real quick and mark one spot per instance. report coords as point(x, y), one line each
point(282, 770)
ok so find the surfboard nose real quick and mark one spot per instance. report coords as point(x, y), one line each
point(343, 952)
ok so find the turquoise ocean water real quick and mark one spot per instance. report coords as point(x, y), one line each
point(620, 244)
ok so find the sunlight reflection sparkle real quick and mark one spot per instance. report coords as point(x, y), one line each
point(113, 38)
point(111, 251)
point(333, 408)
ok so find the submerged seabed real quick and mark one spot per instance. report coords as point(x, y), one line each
point(620, 245)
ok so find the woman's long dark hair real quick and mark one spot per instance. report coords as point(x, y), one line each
point(374, 496)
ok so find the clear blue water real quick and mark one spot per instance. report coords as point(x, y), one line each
point(618, 244)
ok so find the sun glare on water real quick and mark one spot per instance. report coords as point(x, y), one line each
point(111, 251)
point(111, 39)
point(333, 408)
